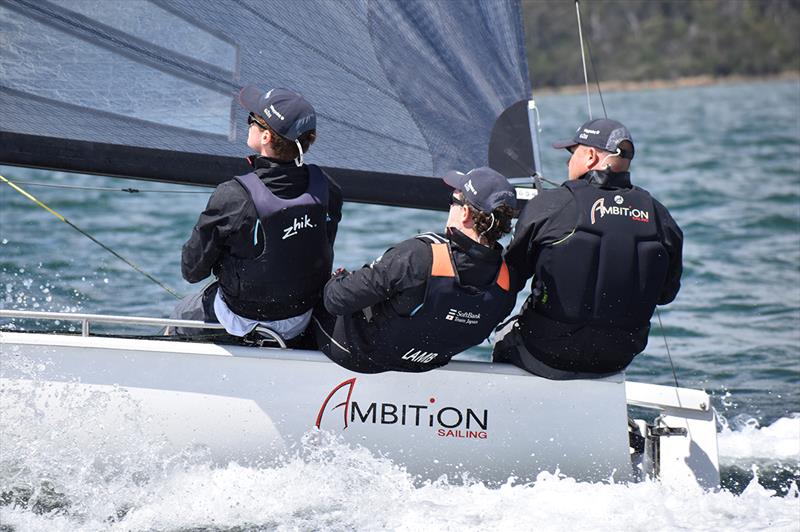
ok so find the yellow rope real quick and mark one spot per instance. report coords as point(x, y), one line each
point(93, 239)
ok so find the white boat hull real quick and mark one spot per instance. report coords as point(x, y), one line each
point(255, 405)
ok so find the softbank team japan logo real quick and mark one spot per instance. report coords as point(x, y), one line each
point(463, 316)
point(297, 224)
point(340, 410)
point(599, 207)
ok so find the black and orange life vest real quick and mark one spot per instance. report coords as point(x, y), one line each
point(452, 318)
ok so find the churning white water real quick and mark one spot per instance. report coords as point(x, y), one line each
point(49, 483)
point(731, 332)
point(778, 441)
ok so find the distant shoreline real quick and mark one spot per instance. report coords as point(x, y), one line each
point(688, 81)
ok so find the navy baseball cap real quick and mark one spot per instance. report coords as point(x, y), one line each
point(483, 188)
point(601, 133)
point(287, 112)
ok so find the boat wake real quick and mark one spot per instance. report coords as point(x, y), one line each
point(747, 440)
point(109, 480)
point(770, 453)
point(337, 487)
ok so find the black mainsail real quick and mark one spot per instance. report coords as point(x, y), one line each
point(404, 90)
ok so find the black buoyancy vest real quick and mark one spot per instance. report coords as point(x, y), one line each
point(288, 277)
point(610, 271)
point(451, 319)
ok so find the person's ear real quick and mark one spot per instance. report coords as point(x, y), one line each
point(466, 217)
point(592, 157)
point(266, 137)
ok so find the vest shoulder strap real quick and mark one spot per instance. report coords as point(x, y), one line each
point(259, 193)
point(442, 264)
point(250, 182)
point(318, 183)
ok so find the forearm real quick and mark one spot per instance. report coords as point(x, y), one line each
point(350, 292)
point(402, 268)
point(198, 258)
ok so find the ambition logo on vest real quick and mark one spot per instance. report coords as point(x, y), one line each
point(292, 230)
point(599, 206)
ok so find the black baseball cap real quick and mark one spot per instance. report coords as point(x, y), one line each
point(483, 188)
point(602, 133)
point(286, 112)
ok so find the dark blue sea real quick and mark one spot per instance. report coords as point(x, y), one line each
point(724, 159)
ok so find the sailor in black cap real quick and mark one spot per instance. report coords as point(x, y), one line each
point(267, 235)
point(430, 297)
point(601, 253)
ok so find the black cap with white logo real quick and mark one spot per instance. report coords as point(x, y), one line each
point(483, 188)
point(601, 133)
point(287, 112)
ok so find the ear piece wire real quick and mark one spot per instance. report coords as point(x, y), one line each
point(490, 226)
point(299, 160)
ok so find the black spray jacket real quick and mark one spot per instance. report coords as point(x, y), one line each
point(423, 301)
point(225, 232)
point(601, 258)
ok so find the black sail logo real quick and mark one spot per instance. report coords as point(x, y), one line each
point(343, 392)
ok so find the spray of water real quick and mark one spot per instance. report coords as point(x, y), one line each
point(91, 476)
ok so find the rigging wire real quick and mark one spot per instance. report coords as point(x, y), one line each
point(93, 239)
point(112, 189)
point(669, 355)
point(589, 105)
point(596, 77)
point(583, 60)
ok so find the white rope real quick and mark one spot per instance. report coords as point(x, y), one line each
point(583, 59)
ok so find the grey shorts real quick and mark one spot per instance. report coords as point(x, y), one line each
point(197, 307)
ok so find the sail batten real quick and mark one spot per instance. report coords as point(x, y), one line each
point(129, 45)
point(411, 88)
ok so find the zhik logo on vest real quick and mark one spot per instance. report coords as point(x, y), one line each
point(292, 230)
point(447, 421)
point(635, 214)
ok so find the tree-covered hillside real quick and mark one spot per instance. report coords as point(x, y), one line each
point(638, 40)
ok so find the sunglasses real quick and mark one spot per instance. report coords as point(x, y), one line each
point(253, 119)
point(455, 200)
